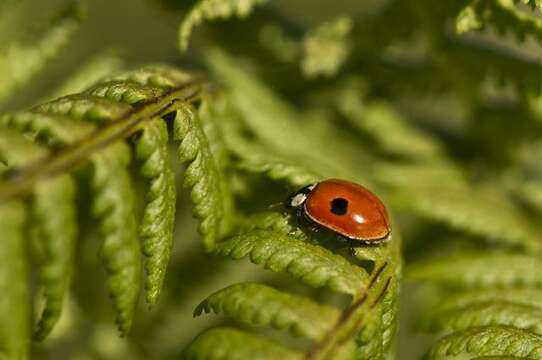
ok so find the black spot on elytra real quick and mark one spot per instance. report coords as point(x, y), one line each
point(339, 206)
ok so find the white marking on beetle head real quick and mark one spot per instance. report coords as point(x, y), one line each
point(298, 200)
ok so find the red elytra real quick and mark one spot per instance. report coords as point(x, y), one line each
point(344, 207)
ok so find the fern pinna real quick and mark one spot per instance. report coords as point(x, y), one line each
point(55, 148)
point(435, 107)
point(64, 134)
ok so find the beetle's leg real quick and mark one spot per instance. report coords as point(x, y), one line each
point(351, 250)
point(299, 219)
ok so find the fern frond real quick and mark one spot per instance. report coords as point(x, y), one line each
point(54, 216)
point(113, 206)
point(81, 107)
point(261, 110)
point(20, 61)
point(486, 213)
point(279, 128)
point(530, 191)
point(494, 308)
point(390, 314)
point(54, 221)
point(157, 225)
point(48, 129)
point(480, 270)
point(119, 251)
point(489, 341)
point(211, 114)
point(312, 264)
point(272, 221)
point(226, 343)
point(503, 15)
point(202, 174)
point(110, 107)
point(88, 74)
point(252, 157)
point(383, 123)
point(500, 63)
point(257, 304)
point(370, 318)
point(369, 341)
point(162, 76)
point(14, 302)
point(326, 48)
point(492, 312)
point(533, 3)
point(256, 159)
point(376, 340)
point(468, 19)
point(518, 295)
point(208, 10)
point(125, 92)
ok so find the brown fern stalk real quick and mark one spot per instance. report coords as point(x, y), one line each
point(351, 319)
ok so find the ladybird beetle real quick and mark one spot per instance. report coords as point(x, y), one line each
point(346, 208)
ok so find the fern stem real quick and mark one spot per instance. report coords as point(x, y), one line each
point(23, 179)
point(352, 317)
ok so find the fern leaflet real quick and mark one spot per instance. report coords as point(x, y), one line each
point(15, 307)
point(211, 10)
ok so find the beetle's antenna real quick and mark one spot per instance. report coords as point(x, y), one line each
point(275, 205)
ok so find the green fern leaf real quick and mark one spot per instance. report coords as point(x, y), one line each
point(114, 206)
point(14, 303)
point(55, 220)
point(49, 129)
point(480, 270)
point(202, 174)
point(211, 10)
point(157, 225)
point(369, 341)
point(500, 64)
point(376, 340)
point(504, 15)
point(495, 312)
point(270, 221)
point(390, 315)
point(113, 203)
point(157, 242)
point(279, 129)
point(54, 228)
point(468, 19)
point(232, 344)
point(211, 113)
point(20, 61)
point(533, 3)
point(496, 358)
point(252, 157)
point(326, 48)
point(125, 92)
point(162, 76)
point(312, 264)
point(518, 295)
point(383, 123)
point(257, 304)
point(255, 159)
point(81, 107)
point(88, 74)
point(489, 341)
point(481, 212)
point(261, 110)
